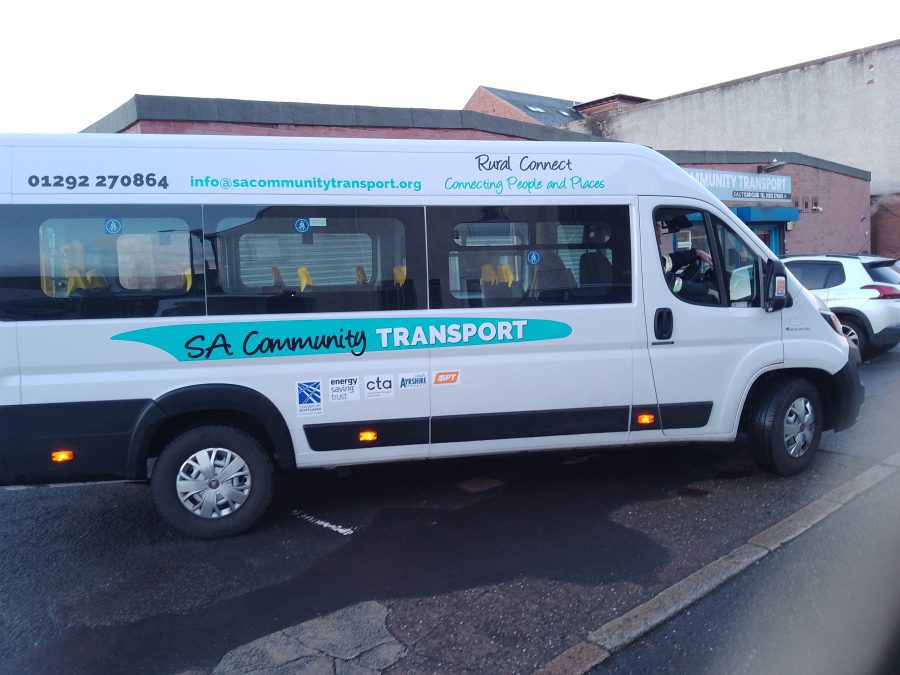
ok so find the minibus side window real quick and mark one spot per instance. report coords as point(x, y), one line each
point(287, 259)
point(529, 255)
point(78, 262)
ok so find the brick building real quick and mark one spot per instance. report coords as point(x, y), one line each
point(886, 210)
point(789, 224)
point(827, 209)
point(185, 115)
point(841, 107)
point(531, 108)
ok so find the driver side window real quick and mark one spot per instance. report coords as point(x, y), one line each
point(687, 254)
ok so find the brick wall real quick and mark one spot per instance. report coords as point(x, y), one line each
point(843, 226)
point(231, 129)
point(886, 224)
point(486, 102)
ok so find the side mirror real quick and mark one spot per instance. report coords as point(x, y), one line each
point(775, 285)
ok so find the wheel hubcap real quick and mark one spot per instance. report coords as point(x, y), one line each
point(799, 427)
point(213, 482)
point(851, 335)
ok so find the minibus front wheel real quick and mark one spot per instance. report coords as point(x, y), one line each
point(786, 426)
point(212, 481)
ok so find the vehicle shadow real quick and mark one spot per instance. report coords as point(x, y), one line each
point(550, 517)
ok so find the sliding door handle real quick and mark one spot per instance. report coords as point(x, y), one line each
point(663, 323)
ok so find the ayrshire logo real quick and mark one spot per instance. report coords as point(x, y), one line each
point(413, 380)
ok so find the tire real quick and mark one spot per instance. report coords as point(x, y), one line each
point(786, 427)
point(855, 332)
point(212, 482)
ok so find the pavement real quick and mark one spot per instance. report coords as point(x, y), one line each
point(827, 602)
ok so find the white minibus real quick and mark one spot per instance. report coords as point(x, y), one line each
point(199, 312)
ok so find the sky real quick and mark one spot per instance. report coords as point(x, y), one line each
point(69, 64)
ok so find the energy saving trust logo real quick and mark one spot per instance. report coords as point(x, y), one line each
point(309, 397)
point(343, 389)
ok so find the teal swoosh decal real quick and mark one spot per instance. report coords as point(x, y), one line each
point(262, 339)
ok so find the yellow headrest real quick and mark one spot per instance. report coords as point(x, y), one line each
point(46, 284)
point(488, 275)
point(399, 275)
point(74, 281)
point(305, 278)
point(505, 274)
point(361, 277)
point(95, 279)
point(187, 278)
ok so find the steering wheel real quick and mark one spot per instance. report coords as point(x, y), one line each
point(698, 271)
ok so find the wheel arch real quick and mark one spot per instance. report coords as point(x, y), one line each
point(176, 411)
point(855, 314)
point(820, 379)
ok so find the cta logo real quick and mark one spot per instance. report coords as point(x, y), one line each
point(378, 386)
point(446, 377)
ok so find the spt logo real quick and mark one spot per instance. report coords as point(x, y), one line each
point(447, 377)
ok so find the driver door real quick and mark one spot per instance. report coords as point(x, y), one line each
point(706, 346)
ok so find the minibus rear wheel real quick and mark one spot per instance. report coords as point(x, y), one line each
point(212, 481)
point(786, 426)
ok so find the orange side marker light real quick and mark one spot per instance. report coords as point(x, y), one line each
point(368, 436)
point(646, 418)
point(62, 456)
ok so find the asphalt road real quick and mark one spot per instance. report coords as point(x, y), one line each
point(477, 565)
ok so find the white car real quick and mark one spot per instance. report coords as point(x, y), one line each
point(863, 291)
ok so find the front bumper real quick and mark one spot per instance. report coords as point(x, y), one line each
point(887, 336)
point(848, 392)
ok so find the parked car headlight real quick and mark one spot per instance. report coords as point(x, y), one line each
point(833, 321)
point(826, 313)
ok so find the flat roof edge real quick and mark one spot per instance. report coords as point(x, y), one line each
point(769, 73)
point(761, 157)
point(236, 111)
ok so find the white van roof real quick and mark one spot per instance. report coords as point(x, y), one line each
point(270, 168)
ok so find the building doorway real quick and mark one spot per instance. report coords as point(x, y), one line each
point(769, 233)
